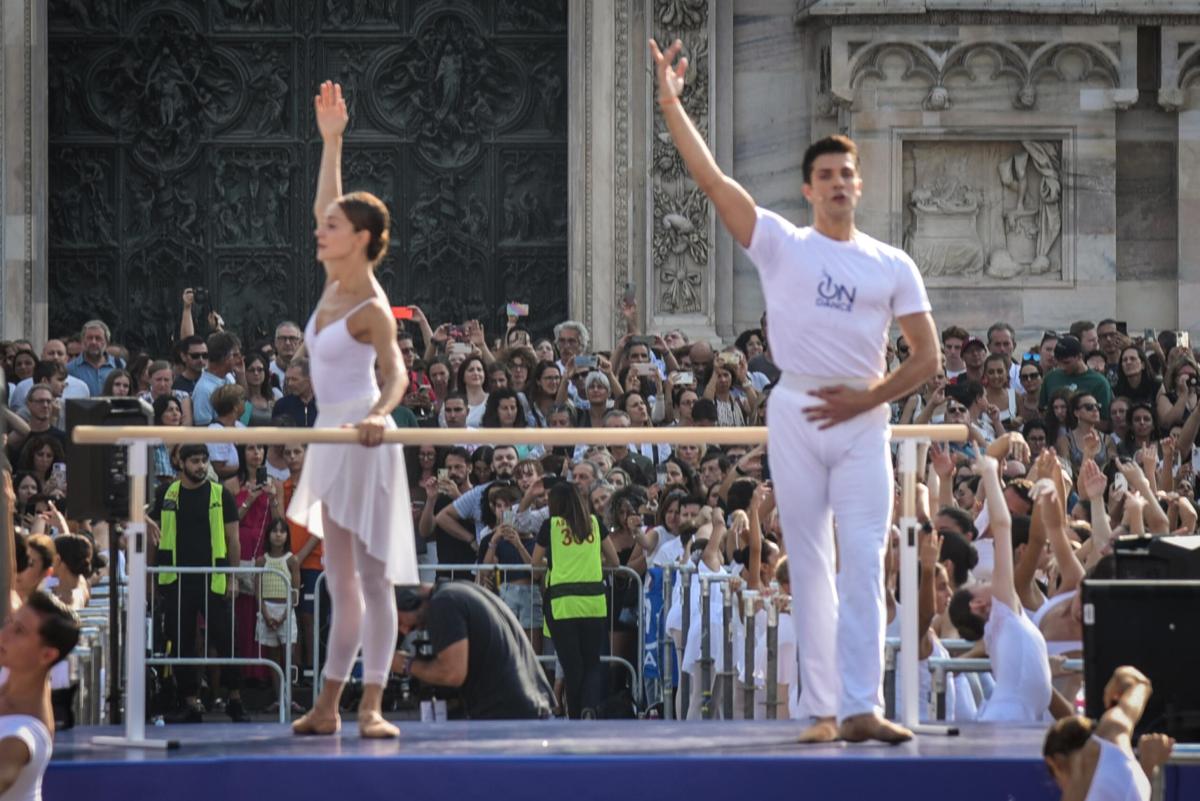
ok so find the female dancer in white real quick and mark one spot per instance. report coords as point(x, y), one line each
point(356, 499)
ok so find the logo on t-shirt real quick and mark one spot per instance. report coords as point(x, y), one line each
point(832, 295)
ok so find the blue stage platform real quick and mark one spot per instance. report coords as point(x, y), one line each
point(581, 761)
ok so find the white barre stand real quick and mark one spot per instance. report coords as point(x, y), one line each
point(910, 571)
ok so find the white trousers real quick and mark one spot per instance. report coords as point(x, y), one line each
point(840, 614)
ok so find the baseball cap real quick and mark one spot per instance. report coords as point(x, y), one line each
point(972, 342)
point(1067, 348)
point(408, 599)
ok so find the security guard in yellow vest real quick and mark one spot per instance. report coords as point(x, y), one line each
point(576, 596)
point(198, 527)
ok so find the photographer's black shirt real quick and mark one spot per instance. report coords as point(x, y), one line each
point(504, 679)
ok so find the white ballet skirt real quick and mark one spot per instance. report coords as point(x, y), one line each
point(365, 490)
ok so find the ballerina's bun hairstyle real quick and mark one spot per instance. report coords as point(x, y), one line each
point(368, 213)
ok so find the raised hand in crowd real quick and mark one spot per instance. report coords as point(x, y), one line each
point(1155, 518)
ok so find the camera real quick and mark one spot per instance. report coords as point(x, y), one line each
point(422, 645)
point(199, 296)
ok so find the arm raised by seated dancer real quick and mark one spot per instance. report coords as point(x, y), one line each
point(712, 549)
point(1054, 520)
point(1156, 519)
point(929, 546)
point(1125, 699)
point(943, 464)
point(1025, 570)
point(1009, 446)
point(1000, 525)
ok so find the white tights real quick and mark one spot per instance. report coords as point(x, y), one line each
point(364, 607)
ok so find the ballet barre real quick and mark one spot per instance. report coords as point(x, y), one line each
point(138, 439)
point(179, 435)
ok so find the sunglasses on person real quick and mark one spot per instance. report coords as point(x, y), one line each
point(1031, 358)
point(1030, 376)
point(203, 355)
point(954, 408)
point(1089, 407)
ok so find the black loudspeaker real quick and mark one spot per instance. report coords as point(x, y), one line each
point(1157, 558)
point(97, 475)
point(1154, 626)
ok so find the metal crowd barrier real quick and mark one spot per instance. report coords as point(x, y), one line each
point(748, 610)
point(136, 440)
point(635, 671)
point(284, 673)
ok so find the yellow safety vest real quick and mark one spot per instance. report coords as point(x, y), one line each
point(575, 581)
point(216, 527)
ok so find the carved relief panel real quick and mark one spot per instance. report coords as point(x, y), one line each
point(984, 209)
point(183, 153)
point(680, 217)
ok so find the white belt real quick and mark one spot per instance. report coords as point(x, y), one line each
point(806, 383)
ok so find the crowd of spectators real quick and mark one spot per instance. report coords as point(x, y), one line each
point(1111, 419)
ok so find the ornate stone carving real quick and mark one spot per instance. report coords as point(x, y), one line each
point(183, 153)
point(936, 61)
point(251, 197)
point(622, 266)
point(447, 88)
point(681, 232)
point(169, 87)
point(988, 209)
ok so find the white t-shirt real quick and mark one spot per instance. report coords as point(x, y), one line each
point(1020, 666)
point(32, 732)
point(668, 551)
point(224, 451)
point(830, 303)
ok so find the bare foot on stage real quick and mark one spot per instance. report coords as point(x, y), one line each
point(372, 726)
point(312, 723)
point(857, 728)
point(825, 730)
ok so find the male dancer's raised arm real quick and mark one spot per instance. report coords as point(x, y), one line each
point(732, 202)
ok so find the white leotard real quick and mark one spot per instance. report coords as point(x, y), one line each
point(35, 735)
point(1118, 776)
point(1020, 666)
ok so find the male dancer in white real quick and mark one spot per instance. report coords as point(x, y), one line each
point(831, 294)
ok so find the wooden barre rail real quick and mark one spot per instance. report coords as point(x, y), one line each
point(172, 435)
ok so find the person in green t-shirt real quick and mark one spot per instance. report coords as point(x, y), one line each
point(1074, 374)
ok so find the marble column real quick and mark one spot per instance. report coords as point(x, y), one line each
point(1180, 93)
point(599, 162)
point(23, 168)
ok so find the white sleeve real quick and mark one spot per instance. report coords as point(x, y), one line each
point(910, 296)
point(769, 231)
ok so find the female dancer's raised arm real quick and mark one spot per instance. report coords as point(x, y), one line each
point(332, 118)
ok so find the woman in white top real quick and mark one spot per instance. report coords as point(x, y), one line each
point(36, 637)
point(472, 381)
point(999, 391)
point(993, 612)
point(1095, 761)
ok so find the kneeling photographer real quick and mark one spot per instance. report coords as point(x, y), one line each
point(474, 644)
